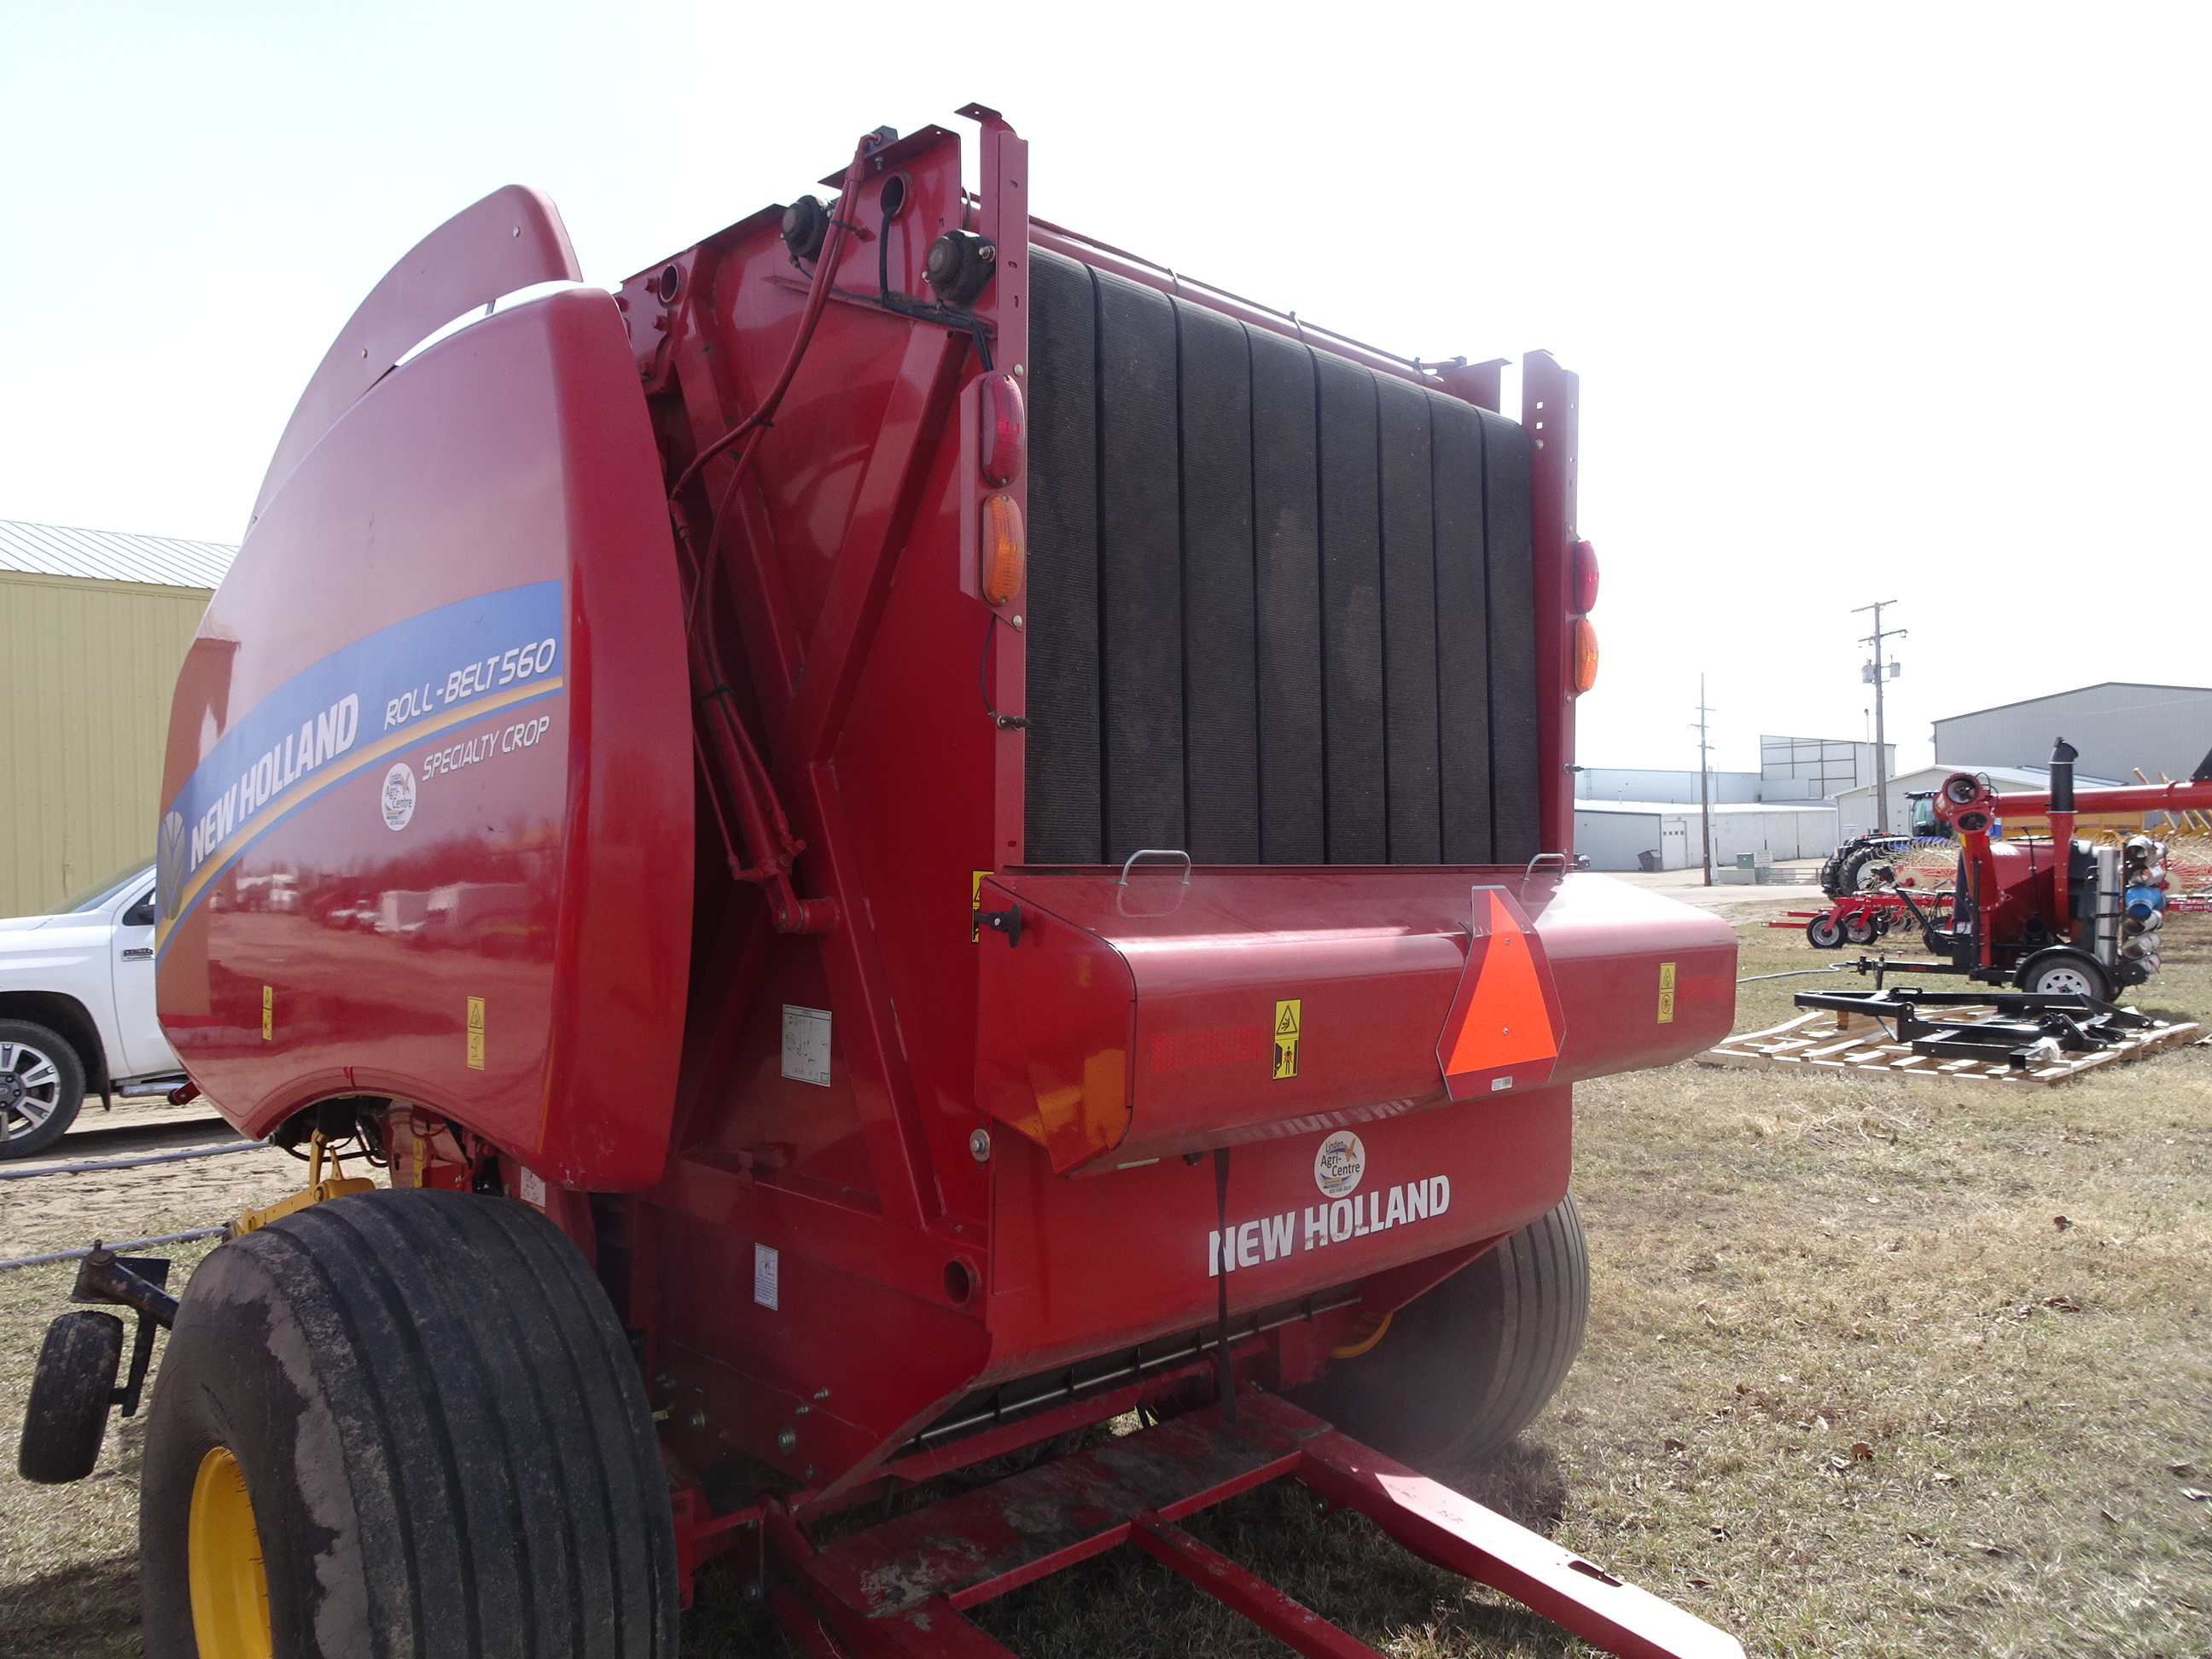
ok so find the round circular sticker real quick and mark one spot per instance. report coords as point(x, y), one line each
point(1340, 1164)
point(398, 796)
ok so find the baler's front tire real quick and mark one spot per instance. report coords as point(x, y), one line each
point(404, 1423)
point(1467, 1364)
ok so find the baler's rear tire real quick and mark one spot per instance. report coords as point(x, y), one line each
point(1466, 1365)
point(404, 1423)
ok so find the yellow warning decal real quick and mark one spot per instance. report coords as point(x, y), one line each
point(1665, 994)
point(976, 905)
point(476, 1034)
point(1287, 1015)
point(268, 1012)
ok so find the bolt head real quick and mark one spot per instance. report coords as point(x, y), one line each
point(697, 1420)
point(979, 1146)
point(787, 1440)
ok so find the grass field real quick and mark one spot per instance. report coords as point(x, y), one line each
point(1873, 1368)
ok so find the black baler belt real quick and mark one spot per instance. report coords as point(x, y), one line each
point(1286, 580)
point(1409, 622)
point(1140, 570)
point(1221, 732)
point(1351, 613)
point(1462, 632)
point(1063, 802)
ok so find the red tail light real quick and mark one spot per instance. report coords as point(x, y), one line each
point(1581, 597)
point(1005, 428)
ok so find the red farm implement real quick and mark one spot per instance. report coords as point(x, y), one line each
point(1861, 918)
point(913, 835)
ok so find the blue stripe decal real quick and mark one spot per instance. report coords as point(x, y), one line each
point(387, 691)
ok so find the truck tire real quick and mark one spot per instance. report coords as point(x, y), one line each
point(1466, 1365)
point(404, 1423)
point(70, 1393)
point(41, 1086)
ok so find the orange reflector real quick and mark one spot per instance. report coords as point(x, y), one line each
point(1004, 552)
point(1584, 665)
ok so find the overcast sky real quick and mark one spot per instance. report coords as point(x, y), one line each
point(1896, 302)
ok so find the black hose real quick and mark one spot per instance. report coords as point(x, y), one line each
point(131, 1163)
point(132, 1244)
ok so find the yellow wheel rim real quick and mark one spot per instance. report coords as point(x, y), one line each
point(230, 1587)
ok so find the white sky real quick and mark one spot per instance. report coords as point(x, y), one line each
point(1901, 302)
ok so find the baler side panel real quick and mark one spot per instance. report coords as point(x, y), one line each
point(492, 861)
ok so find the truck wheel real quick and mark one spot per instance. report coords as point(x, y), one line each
point(70, 1393)
point(41, 1086)
point(403, 1422)
point(2064, 973)
point(1824, 932)
point(1464, 1367)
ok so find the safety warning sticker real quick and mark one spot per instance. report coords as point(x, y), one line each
point(1287, 1015)
point(764, 1275)
point(1665, 994)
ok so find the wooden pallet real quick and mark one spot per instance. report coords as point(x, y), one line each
point(1852, 1045)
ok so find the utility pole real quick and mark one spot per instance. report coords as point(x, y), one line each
point(1872, 672)
point(1704, 781)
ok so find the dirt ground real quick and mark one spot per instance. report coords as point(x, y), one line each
point(1874, 1369)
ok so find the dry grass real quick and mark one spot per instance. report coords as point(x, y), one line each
point(1786, 1268)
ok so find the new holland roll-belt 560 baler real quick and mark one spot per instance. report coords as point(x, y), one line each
point(913, 835)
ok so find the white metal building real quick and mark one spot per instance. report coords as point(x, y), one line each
point(1613, 833)
point(2117, 727)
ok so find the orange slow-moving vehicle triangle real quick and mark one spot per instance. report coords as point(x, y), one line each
point(1505, 1027)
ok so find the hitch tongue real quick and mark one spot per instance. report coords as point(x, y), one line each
point(129, 1281)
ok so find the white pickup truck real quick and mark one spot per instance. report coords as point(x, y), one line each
point(76, 1010)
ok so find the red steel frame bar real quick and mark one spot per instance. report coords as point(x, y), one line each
point(906, 1599)
point(1550, 412)
point(1282, 1617)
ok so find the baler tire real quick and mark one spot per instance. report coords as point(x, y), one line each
point(1470, 1362)
point(71, 1391)
point(432, 1425)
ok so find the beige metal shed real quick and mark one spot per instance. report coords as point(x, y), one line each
point(93, 625)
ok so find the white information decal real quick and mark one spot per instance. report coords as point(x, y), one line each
point(1338, 1164)
point(807, 1044)
point(531, 1188)
point(1344, 1213)
point(398, 799)
point(764, 1275)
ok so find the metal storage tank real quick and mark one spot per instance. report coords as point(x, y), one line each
point(93, 625)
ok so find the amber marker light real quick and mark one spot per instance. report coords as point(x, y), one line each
point(1004, 552)
point(1585, 655)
